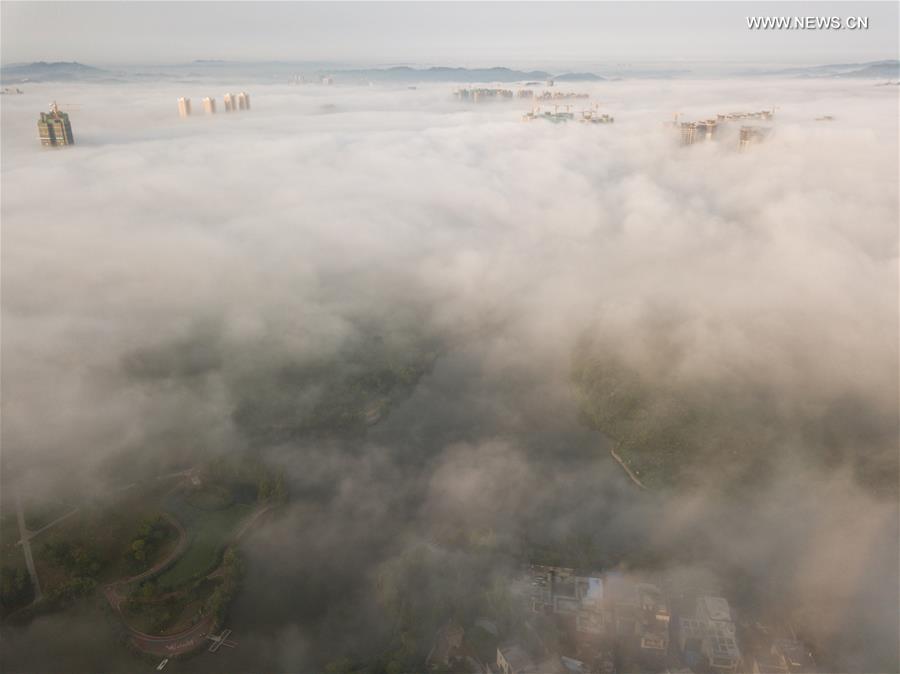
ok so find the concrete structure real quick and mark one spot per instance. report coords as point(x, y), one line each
point(751, 135)
point(555, 117)
point(209, 105)
point(736, 116)
point(513, 659)
point(482, 94)
point(711, 634)
point(560, 96)
point(327, 80)
point(796, 656)
point(230, 102)
point(688, 133)
point(184, 107)
point(447, 646)
point(54, 128)
point(243, 101)
point(593, 116)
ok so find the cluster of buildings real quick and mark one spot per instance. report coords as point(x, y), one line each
point(231, 103)
point(560, 96)
point(592, 116)
point(15, 90)
point(486, 94)
point(710, 129)
point(607, 623)
point(478, 95)
point(54, 128)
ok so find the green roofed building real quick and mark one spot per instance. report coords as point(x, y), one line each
point(54, 128)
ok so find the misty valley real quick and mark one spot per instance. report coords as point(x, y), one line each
point(392, 366)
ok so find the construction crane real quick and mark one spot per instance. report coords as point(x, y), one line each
point(54, 106)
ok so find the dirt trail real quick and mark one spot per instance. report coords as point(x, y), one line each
point(634, 478)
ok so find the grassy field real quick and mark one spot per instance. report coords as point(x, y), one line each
point(172, 614)
point(210, 520)
point(10, 554)
point(104, 531)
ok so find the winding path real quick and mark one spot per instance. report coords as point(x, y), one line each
point(634, 478)
point(25, 542)
point(194, 636)
point(111, 590)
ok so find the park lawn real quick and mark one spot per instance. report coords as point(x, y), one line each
point(172, 613)
point(11, 555)
point(40, 513)
point(208, 531)
point(106, 529)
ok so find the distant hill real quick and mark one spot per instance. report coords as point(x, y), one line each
point(443, 74)
point(871, 69)
point(42, 71)
point(579, 77)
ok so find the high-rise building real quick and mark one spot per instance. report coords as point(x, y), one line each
point(688, 133)
point(750, 135)
point(54, 128)
point(230, 102)
point(184, 107)
point(243, 101)
point(209, 105)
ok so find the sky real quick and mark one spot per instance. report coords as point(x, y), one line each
point(466, 34)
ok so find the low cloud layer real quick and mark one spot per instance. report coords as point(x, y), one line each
point(158, 264)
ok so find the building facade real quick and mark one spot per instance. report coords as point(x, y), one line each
point(54, 128)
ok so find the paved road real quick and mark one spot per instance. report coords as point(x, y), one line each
point(175, 644)
point(112, 590)
point(26, 547)
point(191, 638)
point(634, 478)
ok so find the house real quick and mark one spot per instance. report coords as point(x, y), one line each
point(513, 659)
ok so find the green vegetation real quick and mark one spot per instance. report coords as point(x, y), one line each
point(344, 395)
point(16, 589)
point(39, 514)
point(673, 432)
point(231, 571)
point(70, 590)
point(152, 536)
point(101, 543)
point(210, 512)
point(79, 560)
point(729, 430)
point(149, 609)
point(208, 532)
point(242, 479)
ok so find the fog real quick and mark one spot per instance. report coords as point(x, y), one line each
point(153, 269)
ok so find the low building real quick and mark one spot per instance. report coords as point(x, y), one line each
point(447, 646)
point(797, 658)
point(513, 659)
point(770, 663)
point(710, 633)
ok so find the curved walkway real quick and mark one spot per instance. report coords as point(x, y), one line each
point(194, 636)
point(111, 590)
